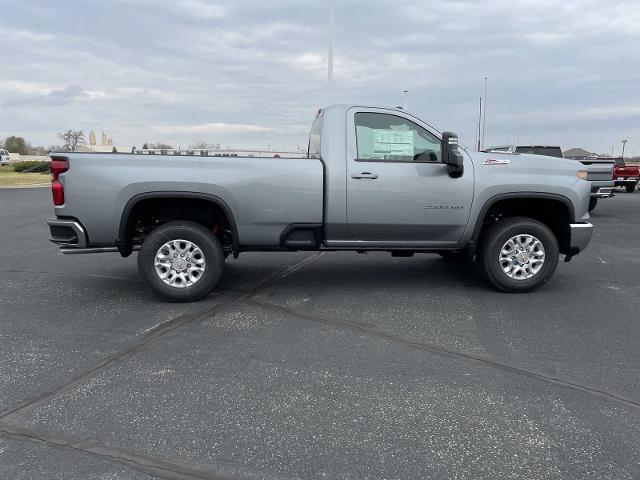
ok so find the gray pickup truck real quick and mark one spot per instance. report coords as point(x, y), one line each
point(373, 179)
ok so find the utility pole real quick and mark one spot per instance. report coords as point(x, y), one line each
point(484, 119)
point(624, 144)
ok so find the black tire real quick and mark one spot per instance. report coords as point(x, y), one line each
point(630, 188)
point(494, 239)
point(593, 201)
point(191, 232)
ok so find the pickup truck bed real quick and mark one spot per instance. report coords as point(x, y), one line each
point(265, 194)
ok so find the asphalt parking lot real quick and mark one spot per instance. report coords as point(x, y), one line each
point(336, 365)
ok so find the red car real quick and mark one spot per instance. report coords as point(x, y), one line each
point(625, 175)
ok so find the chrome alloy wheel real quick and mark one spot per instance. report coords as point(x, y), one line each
point(180, 263)
point(522, 257)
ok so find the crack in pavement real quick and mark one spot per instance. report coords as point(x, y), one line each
point(137, 461)
point(148, 337)
point(449, 353)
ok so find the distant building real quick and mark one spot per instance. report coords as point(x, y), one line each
point(579, 154)
point(106, 146)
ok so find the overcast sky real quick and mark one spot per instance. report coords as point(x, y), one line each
point(253, 72)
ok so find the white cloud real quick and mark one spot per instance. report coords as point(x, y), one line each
point(210, 129)
point(26, 87)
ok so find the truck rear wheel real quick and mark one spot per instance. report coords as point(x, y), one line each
point(631, 187)
point(518, 254)
point(181, 261)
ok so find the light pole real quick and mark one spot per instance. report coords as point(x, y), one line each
point(332, 35)
point(624, 143)
point(484, 118)
point(480, 126)
point(405, 94)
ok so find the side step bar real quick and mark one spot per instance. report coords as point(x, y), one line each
point(77, 251)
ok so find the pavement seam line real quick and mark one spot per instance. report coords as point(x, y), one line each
point(441, 351)
point(140, 462)
point(71, 274)
point(156, 332)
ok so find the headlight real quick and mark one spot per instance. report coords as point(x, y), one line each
point(581, 174)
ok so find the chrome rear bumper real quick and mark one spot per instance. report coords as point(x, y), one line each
point(603, 192)
point(67, 233)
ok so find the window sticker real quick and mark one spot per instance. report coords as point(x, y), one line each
point(393, 142)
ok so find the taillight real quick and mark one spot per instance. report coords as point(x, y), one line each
point(57, 166)
point(57, 192)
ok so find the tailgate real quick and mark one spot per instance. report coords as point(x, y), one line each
point(598, 171)
point(628, 171)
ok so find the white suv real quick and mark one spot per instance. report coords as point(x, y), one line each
point(4, 157)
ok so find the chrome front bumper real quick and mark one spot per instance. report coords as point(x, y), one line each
point(580, 236)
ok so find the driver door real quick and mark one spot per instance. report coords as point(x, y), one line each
point(398, 190)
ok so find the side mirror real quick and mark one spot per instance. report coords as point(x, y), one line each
point(451, 155)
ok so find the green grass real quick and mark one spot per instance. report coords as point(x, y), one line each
point(9, 178)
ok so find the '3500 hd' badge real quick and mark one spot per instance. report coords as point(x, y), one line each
point(493, 161)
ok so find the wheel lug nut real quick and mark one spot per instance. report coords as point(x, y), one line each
point(189, 265)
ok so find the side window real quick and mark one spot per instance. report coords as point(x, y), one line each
point(386, 137)
point(315, 135)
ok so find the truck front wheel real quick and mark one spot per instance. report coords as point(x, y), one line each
point(518, 254)
point(181, 261)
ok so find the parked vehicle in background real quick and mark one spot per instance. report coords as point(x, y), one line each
point(374, 179)
point(625, 175)
point(599, 171)
point(601, 178)
point(4, 157)
point(549, 151)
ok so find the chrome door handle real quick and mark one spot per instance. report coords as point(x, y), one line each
point(364, 176)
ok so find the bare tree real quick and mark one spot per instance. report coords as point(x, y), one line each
point(202, 146)
point(72, 139)
point(159, 146)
